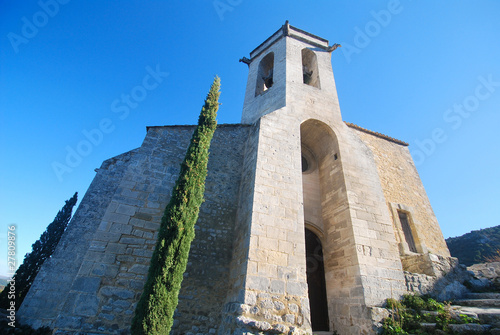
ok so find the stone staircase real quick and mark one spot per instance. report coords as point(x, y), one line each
point(482, 306)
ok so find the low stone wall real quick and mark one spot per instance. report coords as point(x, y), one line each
point(487, 271)
point(443, 278)
point(429, 264)
point(450, 280)
point(446, 288)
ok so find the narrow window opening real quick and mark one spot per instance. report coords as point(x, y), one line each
point(310, 74)
point(405, 224)
point(265, 77)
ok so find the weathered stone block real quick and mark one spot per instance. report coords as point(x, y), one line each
point(139, 269)
point(86, 305)
point(107, 270)
point(296, 288)
point(120, 228)
point(69, 322)
point(258, 283)
point(277, 286)
point(111, 291)
point(86, 284)
point(126, 209)
point(132, 240)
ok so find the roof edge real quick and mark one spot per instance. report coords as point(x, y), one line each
point(222, 125)
point(288, 30)
point(374, 133)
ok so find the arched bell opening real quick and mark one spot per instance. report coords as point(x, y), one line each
point(265, 77)
point(310, 75)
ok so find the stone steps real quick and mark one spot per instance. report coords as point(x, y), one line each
point(470, 328)
point(478, 302)
point(485, 295)
point(487, 315)
point(482, 306)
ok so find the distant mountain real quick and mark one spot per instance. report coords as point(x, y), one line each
point(476, 246)
point(3, 280)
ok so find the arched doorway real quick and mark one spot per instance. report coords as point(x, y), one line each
point(316, 282)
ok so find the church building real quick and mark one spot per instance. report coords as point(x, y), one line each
point(309, 224)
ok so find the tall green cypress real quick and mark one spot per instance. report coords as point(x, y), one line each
point(40, 251)
point(155, 310)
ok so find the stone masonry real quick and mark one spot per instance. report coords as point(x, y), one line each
point(97, 283)
point(292, 168)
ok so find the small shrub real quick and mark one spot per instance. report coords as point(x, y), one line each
point(444, 318)
point(433, 305)
point(414, 302)
point(467, 319)
point(391, 326)
point(406, 316)
point(410, 320)
point(393, 304)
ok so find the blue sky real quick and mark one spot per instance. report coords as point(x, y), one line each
point(424, 72)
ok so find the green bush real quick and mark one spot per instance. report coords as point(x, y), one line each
point(415, 302)
point(407, 315)
point(443, 319)
point(433, 305)
point(391, 327)
point(467, 319)
point(393, 304)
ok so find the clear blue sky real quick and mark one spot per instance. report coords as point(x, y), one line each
point(406, 68)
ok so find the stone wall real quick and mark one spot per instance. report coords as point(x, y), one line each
point(205, 285)
point(110, 269)
point(487, 271)
point(444, 278)
point(402, 186)
point(48, 295)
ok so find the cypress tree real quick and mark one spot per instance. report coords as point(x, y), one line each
point(155, 309)
point(40, 251)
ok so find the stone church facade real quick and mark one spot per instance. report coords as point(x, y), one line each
point(309, 222)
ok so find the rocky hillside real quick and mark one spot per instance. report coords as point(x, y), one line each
point(478, 246)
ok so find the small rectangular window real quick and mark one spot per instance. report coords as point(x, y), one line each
point(405, 224)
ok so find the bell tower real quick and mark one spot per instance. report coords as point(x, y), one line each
point(307, 255)
point(291, 68)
